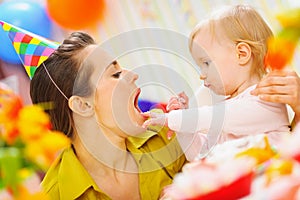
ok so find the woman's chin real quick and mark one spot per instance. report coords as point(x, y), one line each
point(135, 130)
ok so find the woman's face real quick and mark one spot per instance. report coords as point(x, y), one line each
point(116, 96)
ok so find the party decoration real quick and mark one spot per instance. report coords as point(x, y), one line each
point(31, 49)
point(79, 14)
point(205, 181)
point(146, 105)
point(27, 15)
point(290, 18)
point(281, 48)
point(259, 154)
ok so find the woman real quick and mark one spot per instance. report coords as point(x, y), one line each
point(94, 102)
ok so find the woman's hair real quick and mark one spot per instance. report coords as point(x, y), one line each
point(241, 23)
point(2, 75)
point(63, 69)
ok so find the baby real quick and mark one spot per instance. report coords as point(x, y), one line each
point(229, 49)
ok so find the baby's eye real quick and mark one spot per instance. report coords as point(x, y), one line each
point(206, 63)
point(117, 75)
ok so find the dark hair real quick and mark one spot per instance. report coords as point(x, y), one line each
point(63, 66)
point(2, 75)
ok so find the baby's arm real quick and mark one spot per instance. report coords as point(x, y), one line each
point(184, 120)
point(239, 117)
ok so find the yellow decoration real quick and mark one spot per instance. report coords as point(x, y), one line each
point(278, 168)
point(260, 154)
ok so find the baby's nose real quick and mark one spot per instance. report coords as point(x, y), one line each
point(202, 77)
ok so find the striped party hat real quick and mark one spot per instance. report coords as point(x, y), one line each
point(32, 49)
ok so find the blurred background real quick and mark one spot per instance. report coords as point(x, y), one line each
point(163, 73)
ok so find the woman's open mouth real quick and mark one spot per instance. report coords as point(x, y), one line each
point(137, 94)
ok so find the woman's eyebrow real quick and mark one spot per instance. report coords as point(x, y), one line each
point(113, 64)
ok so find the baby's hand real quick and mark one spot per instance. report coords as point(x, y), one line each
point(157, 119)
point(181, 101)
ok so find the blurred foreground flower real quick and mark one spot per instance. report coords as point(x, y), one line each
point(281, 48)
point(290, 18)
point(27, 147)
point(280, 52)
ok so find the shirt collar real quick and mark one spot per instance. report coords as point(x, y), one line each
point(138, 142)
point(71, 172)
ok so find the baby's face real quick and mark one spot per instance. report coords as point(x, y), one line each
point(217, 61)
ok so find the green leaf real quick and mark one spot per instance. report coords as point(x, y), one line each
point(10, 163)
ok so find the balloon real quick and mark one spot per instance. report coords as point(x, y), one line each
point(146, 105)
point(76, 14)
point(28, 15)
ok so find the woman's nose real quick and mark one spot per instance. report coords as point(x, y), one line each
point(134, 76)
point(131, 76)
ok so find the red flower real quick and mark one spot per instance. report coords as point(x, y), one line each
point(280, 52)
point(10, 106)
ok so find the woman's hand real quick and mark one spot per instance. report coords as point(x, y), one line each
point(281, 86)
point(181, 101)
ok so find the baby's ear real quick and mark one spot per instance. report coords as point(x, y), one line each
point(243, 52)
point(81, 106)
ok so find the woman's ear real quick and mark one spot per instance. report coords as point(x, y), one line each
point(243, 52)
point(81, 106)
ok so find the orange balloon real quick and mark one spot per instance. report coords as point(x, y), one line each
point(76, 14)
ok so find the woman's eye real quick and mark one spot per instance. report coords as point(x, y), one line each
point(117, 75)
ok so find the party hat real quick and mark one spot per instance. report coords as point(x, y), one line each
point(32, 49)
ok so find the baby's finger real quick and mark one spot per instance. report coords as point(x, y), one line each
point(147, 123)
point(150, 114)
point(146, 114)
point(170, 133)
point(173, 100)
point(174, 106)
point(154, 121)
point(181, 100)
point(184, 96)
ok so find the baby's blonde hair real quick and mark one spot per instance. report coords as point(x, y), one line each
point(241, 23)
